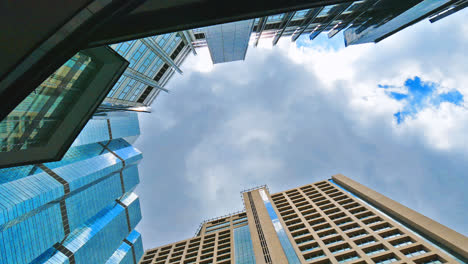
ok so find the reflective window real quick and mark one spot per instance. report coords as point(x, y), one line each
point(136, 56)
point(275, 18)
point(31, 122)
point(127, 88)
point(243, 248)
point(300, 14)
point(283, 237)
point(124, 47)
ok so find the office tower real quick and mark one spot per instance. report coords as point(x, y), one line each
point(81, 209)
point(374, 30)
point(363, 21)
point(43, 126)
point(227, 42)
point(332, 221)
point(153, 61)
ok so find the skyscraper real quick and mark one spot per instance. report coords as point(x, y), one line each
point(81, 209)
point(228, 42)
point(43, 126)
point(153, 61)
point(363, 21)
point(333, 221)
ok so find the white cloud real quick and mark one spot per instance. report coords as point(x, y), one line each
point(289, 116)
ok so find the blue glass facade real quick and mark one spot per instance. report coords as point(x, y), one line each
point(145, 60)
point(283, 237)
point(81, 209)
point(243, 248)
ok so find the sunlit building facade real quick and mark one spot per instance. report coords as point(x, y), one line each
point(81, 209)
point(153, 61)
point(332, 221)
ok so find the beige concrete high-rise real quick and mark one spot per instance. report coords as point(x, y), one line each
point(332, 221)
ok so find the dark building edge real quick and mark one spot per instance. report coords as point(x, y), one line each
point(79, 127)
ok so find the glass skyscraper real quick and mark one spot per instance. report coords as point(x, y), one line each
point(228, 42)
point(81, 209)
point(362, 21)
point(43, 126)
point(153, 61)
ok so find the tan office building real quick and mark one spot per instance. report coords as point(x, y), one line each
point(333, 221)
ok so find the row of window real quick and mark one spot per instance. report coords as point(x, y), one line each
point(200, 248)
point(148, 58)
point(329, 236)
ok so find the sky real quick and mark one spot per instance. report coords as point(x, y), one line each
point(392, 116)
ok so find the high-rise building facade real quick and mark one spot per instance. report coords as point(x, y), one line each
point(81, 209)
point(153, 61)
point(228, 42)
point(332, 221)
point(362, 21)
point(43, 126)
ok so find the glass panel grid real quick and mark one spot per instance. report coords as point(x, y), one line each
point(243, 247)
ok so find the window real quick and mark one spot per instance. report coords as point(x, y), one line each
point(275, 18)
point(162, 41)
point(147, 62)
point(347, 258)
point(357, 234)
point(350, 227)
point(177, 50)
point(300, 14)
point(365, 241)
point(136, 92)
point(374, 250)
point(391, 234)
point(136, 56)
point(116, 86)
point(126, 89)
point(304, 240)
point(145, 94)
point(315, 255)
point(308, 248)
point(340, 248)
point(414, 251)
point(343, 221)
point(325, 11)
point(381, 227)
point(333, 240)
point(327, 233)
point(124, 47)
point(386, 259)
point(431, 260)
point(402, 242)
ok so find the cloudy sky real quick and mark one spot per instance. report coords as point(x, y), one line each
point(392, 116)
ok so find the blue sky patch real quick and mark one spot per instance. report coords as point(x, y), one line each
point(454, 97)
point(398, 96)
point(418, 96)
point(322, 40)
